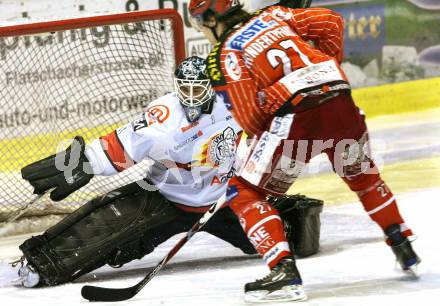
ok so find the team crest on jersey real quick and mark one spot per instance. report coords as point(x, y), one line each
point(280, 14)
point(157, 113)
point(232, 66)
point(219, 150)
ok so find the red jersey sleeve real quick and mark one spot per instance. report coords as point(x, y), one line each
point(324, 27)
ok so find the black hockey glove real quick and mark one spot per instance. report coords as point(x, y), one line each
point(66, 171)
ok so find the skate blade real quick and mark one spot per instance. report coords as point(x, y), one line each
point(410, 271)
point(293, 293)
point(16, 282)
point(413, 271)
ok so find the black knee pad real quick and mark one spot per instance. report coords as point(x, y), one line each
point(302, 223)
point(91, 235)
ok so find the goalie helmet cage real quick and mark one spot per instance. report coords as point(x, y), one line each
point(82, 76)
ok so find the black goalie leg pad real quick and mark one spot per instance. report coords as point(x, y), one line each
point(225, 225)
point(302, 222)
point(87, 238)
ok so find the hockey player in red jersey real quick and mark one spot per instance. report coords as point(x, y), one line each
point(280, 75)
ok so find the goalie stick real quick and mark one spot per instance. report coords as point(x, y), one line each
point(306, 3)
point(18, 213)
point(100, 294)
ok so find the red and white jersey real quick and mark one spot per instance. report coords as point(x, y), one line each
point(305, 44)
point(192, 161)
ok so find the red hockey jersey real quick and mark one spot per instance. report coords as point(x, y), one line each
point(276, 54)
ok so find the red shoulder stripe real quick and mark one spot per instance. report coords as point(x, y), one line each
point(115, 152)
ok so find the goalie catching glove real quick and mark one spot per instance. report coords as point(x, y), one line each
point(65, 171)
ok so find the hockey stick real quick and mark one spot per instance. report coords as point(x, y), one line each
point(18, 213)
point(100, 294)
point(306, 3)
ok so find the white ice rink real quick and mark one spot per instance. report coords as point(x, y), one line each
point(353, 268)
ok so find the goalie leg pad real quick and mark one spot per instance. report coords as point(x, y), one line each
point(302, 223)
point(225, 225)
point(145, 242)
point(87, 238)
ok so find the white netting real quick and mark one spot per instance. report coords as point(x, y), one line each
point(86, 81)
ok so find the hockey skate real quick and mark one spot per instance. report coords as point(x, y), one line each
point(403, 250)
point(283, 283)
point(28, 276)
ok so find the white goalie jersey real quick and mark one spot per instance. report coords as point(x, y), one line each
point(192, 161)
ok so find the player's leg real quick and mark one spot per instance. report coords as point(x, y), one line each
point(260, 221)
point(264, 170)
point(351, 160)
point(300, 216)
point(264, 229)
point(278, 159)
point(380, 204)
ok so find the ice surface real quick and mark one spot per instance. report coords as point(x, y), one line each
point(353, 267)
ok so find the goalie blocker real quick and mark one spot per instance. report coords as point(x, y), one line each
point(129, 222)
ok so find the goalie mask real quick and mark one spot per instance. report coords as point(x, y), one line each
point(193, 88)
